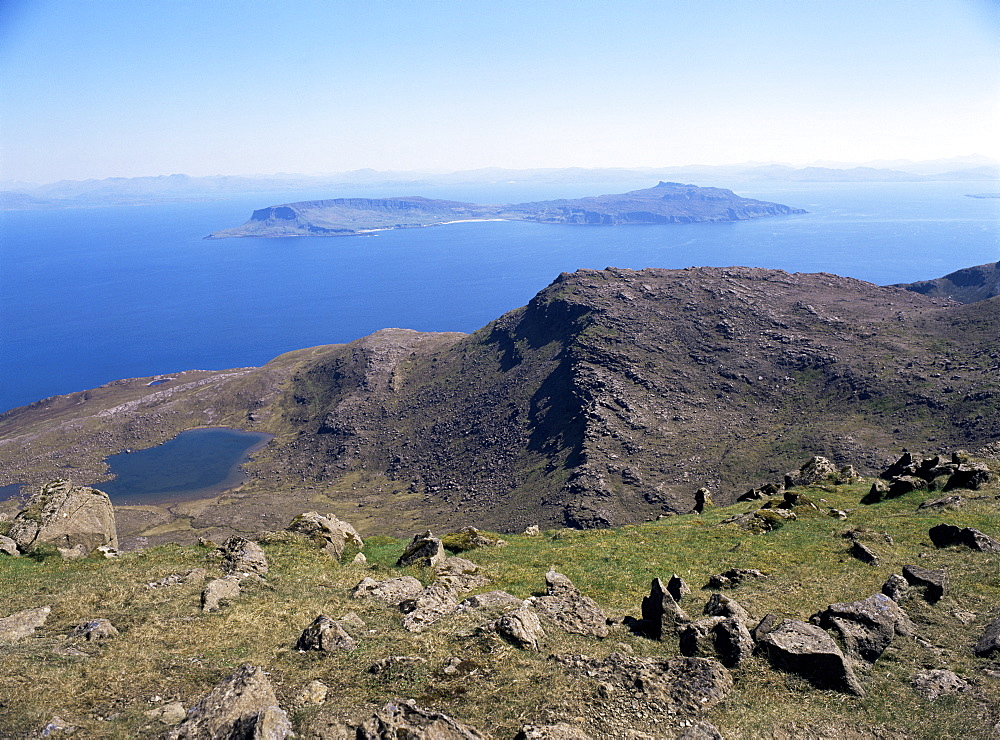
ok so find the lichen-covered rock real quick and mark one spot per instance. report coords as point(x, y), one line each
point(491, 599)
point(459, 574)
point(312, 694)
point(933, 582)
point(219, 593)
point(23, 624)
point(816, 470)
point(867, 627)
point(807, 650)
point(391, 591)
point(431, 605)
point(242, 707)
point(697, 638)
point(946, 535)
point(329, 532)
point(720, 605)
point(702, 500)
point(932, 684)
point(733, 642)
point(470, 538)
point(519, 627)
point(8, 546)
point(896, 587)
point(733, 577)
point(240, 555)
point(424, 550)
point(989, 643)
point(73, 518)
point(568, 608)
point(325, 635)
point(404, 720)
point(95, 629)
point(661, 615)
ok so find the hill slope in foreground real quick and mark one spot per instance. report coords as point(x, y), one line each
point(667, 203)
point(607, 400)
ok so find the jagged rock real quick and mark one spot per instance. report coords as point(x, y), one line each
point(677, 588)
point(568, 608)
point(867, 627)
point(325, 635)
point(242, 707)
point(685, 685)
point(332, 534)
point(219, 593)
point(896, 587)
point(733, 577)
point(904, 484)
point(945, 535)
point(240, 555)
point(424, 550)
point(401, 719)
point(391, 591)
point(765, 625)
point(490, 599)
point(8, 546)
point(702, 500)
point(934, 683)
point(933, 582)
point(427, 607)
point(863, 553)
point(720, 605)
point(946, 502)
point(312, 694)
point(519, 627)
point(459, 575)
point(972, 476)
point(697, 638)
point(816, 470)
point(396, 666)
point(73, 518)
point(733, 641)
point(95, 629)
point(661, 614)
point(989, 643)
point(904, 465)
point(23, 624)
point(700, 731)
point(560, 731)
point(807, 650)
point(876, 493)
point(532, 531)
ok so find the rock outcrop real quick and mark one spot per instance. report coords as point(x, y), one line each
point(568, 608)
point(325, 635)
point(330, 533)
point(946, 535)
point(404, 719)
point(76, 519)
point(866, 627)
point(424, 550)
point(807, 650)
point(23, 624)
point(243, 556)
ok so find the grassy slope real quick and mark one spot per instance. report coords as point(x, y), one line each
point(169, 649)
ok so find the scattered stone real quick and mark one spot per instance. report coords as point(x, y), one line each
point(23, 624)
point(8, 546)
point(685, 685)
point(733, 577)
point(867, 627)
point(567, 607)
point(391, 591)
point(219, 593)
point(241, 706)
point(702, 500)
point(933, 582)
point(73, 518)
point(700, 731)
point(240, 555)
point(459, 575)
point(169, 714)
point(106, 551)
point(946, 535)
point(733, 642)
point(95, 629)
point(424, 550)
point(325, 635)
point(816, 470)
point(359, 559)
point(677, 588)
point(989, 643)
point(431, 605)
point(58, 726)
point(947, 502)
point(837, 514)
point(661, 614)
point(491, 599)
point(934, 683)
point(519, 627)
point(720, 605)
point(351, 619)
point(896, 587)
point(396, 666)
point(807, 650)
point(404, 719)
point(470, 538)
point(329, 532)
point(532, 531)
point(312, 694)
point(560, 731)
point(863, 553)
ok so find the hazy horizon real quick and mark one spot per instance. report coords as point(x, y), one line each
point(112, 89)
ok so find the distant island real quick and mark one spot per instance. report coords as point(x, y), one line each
point(667, 203)
point(982, 195)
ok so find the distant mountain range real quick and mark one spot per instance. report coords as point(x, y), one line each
point(178, 187)
point(668, 202)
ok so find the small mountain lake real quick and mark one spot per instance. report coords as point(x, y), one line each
point(195, 464)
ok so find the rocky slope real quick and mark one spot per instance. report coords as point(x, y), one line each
point(668, 202)
point(967, 285)
point(610, 398)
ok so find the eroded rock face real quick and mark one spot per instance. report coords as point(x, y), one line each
point(325, 635)
point(867, 627)
point(240, 555)
point(329, 532)
point(73, 518)
point(424, 550)
point(401, 719)
point(570, 609)
point(805, 649)
point(23, 624)
point(242, 707)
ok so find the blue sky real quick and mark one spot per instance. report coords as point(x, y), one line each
point(99, 88)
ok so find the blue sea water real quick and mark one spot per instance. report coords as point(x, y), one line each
point(88, 296)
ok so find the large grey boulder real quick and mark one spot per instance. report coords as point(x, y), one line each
point(242, 707)
point(219, 593)
point(867, 627)
point(424, 550)
point(491, 599)
point(330, 533)
point(325, 635)
point(73, 518)
point(8, 546)
point(720, 605)
point(989, 643)
point(520, 627)
point(240, 555)
point(404, 720)
point(431, 605)
point(815, 470)
point(392, 590)
point(972, 476)
point(934, 583)
point(946, 535)
point(807, 650)
point(932, 684)
point(568, 608)
point(661, 615)
point(23, 624)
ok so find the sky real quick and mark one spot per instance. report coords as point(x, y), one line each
point(103, 88)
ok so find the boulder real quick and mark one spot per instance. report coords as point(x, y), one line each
point(765, 625)
point(560, 731)
point(904, 465)
point(95, 629)
point(470, 538)
point(904, 484)
point(807, 650)
point(934, 683)
point(520, 627)
point(661, 614)
point(569, 608)
point(532, 531)
point(867, 627)
point(720, 605)
point(733, 577)
point(733, 642)
point(459, 574)
point(312, 694)
point(430, 605)
point(326, 636)
point(945, 502)
point(424, 550)
point(677, 588)
point(401, 719)
point(697, 639)
point(23, 624)
point(391, 591)
point(679, 685)
point(73, 518)
point(491, 599)
point(946, 535)
point(702, 500)
point(815, 470)
point(989, 643)
point(240, 555)
point(972, 476)
point(329, 532)
point(396, 666)
point(242, 707)
point(8, 546)
point(933, 582)
point(864, 553)
point(896, 587)
point(219, 593)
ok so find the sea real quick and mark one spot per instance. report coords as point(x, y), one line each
point(91, 295)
